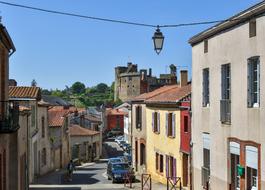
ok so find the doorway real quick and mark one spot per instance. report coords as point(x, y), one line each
point(185, 166)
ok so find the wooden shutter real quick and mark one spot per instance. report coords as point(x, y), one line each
point(167, 164)
point(153, 121)
point(173, 125)
point(203, 88)
point(223, 81)
point(166, 124)
point(258, 79)
point(174, 169)
point(158, 122)
point(140, 117)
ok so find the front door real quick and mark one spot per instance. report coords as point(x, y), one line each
point(235, 178)
point(185, 166)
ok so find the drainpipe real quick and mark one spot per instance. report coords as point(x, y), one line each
point(27, 159)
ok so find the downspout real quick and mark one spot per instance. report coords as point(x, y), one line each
point(27, 160)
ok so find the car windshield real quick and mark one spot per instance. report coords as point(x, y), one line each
point(116, 160)
point(120, 166)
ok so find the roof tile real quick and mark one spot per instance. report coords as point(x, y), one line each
point(77, 130)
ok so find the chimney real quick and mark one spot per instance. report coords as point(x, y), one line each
point(183, 78)
point(150, 72)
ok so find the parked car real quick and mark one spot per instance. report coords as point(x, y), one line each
point(117, 171)
point(126, 147)
point(119, 139)
point(116, 160)
point(122, 143)
point(116, 131)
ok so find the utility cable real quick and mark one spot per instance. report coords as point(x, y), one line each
point(113, 20)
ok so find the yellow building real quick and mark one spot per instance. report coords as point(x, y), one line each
point(163, 129)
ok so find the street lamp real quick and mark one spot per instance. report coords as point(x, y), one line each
point(158, 39)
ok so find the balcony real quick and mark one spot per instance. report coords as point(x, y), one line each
point(205, 176)
point(9, 116)
point(225, 111)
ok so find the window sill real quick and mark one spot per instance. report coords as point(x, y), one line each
point(171, 137)
point(156, 132)
point(159, 173)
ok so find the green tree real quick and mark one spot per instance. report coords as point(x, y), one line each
point(102, 87)
point(78, 88)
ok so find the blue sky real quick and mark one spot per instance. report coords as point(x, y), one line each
point(59, 50)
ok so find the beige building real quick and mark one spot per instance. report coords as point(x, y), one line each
point(59, 123)
point(85, 143)
point(228, 103)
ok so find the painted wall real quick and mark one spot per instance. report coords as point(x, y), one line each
point(112, 121)
point(185, 136)
point(235, 47)
point(161, 143)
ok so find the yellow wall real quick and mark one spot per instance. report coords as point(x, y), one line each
point(162, 144)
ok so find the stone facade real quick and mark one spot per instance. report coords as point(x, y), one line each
point(237, 140)
point(129, 82)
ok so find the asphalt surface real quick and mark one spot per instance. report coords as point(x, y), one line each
point(91, 176)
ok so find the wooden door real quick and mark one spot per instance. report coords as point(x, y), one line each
point(185, 172)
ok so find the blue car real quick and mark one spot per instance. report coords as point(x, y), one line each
point(117, 172)
point(116, 160)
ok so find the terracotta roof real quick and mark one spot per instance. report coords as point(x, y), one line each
point(172, 95)
point(115, 112)
point(148, 95)
point(76, 130)
point(56, 117)
point(24, 92)
point(92, 118)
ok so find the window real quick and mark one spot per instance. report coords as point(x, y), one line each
point(225, 102)
point(205, 88)
point(43, 156)
point(225, 81)
point(205, 46)
point(171, 166)
point(156, 122)
point(170, 124)
point(42, 127)
point(142, 154)
point(253, 82)
point(186, 124)
point(161, 163)
point(252, 28)
point(138, 117)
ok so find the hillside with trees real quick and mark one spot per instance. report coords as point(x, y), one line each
point(81, 96)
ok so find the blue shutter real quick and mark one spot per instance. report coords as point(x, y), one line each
point(153, 117)
point(166, 124)
point(158, 122)
point(258, 79)
point(173, 125)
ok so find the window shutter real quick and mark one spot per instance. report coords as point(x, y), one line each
point(167, 172)
point(174, 169)
point(258, 75)
point(173, 125)
point(250, 79)
point(140, 117)
point(166, 124)
point(223, 80)
point(203, 88)
point(153, 118)
point(158, 122)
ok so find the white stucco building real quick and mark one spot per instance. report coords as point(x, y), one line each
point(228, 103)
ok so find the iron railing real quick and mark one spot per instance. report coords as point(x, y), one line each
point(174, 183)
point(225, 111)
point(9, 116)
point(205, 177)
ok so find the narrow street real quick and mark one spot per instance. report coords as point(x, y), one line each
point(87, 176)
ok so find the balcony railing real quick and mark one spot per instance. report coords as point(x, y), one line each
point(225, 111)
point(205, 177)
point(9, 116)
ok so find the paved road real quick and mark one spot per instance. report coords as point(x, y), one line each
point(92, 176)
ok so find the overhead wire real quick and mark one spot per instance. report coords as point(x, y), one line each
point(114, 20)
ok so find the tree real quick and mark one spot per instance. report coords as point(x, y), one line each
point(45, 92)
point(78, 88)
point(33, 82)
point(102, 87)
